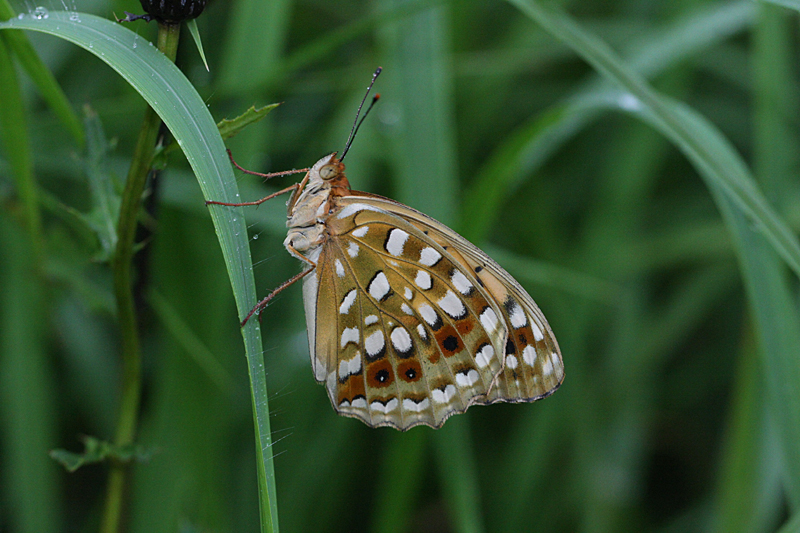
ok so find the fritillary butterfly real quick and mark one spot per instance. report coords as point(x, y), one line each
point(408, 322)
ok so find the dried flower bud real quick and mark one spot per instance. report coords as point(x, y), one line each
point(173, 10)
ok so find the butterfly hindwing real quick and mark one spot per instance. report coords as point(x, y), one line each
point(414, 318)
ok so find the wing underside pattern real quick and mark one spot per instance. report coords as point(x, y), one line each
point(412, 324)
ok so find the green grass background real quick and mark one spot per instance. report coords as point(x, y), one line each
point(532, 134)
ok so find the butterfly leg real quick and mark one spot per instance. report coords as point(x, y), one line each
point(257, 202)
point(263, 303)
point(259, 174)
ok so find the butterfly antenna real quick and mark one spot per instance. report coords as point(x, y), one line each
point(357, 123)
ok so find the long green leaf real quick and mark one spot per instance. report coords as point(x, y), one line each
point(171, 95)
point(532, 143)
point(41, 76)
point(737, 184)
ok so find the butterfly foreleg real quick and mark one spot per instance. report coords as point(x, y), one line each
point(257, 202)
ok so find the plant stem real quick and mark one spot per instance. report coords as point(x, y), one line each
point(121, 265)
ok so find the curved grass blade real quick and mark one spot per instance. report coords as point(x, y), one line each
point(171, 95)
point(737, 185)
point(758, 232)
point(533, 142)
point(42, 77)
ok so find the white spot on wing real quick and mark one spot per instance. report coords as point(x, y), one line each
point(401, 340)
point(396, 241)
point(374, 343)
point(537, 333)
point(517, 316)
point(429, 256)
point(339, 268)
point(452, 304)
point(390, 406)
point(547, 367)
point(467, 379)
point(460, 282)
point(529, 354)
point(370, 319)
point(352, 250)
point(428, 314)
point(348, 367)
point(360, 232)
point(347, 302)
point(511, 362)
point(406, 309)
point(349, 335)
point(489, 320)
point(423, 280)
point(484, 355)
point(422, 332)
point(414, 407)
point(407, 293)
point(352, 209)
point(360, 403)
point(443, 396)
point(379, 286)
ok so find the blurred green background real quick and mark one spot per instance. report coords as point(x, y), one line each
point(677, 321)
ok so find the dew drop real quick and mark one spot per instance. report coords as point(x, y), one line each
point(255, 237)
point(74, 17)
point(40, 13)
point(629, 102)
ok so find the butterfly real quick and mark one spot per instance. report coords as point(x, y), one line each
point(408, 322)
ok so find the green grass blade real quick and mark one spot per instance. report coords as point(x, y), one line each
point(16, 144)
point(417, 73)
point(402, 472)
point(791, 4)
point(42, 77)
point(736, 183)
point(793, 526)
point(738, 198)
point(458, 472)
point(537, 139)
point(254, 25)
point(168, 91)
point(29, 412)
point(182, 332)
point(192, 25)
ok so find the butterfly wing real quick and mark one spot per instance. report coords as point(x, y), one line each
point(405, 328)
point(533, 367)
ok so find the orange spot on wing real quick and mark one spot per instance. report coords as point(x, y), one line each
point(409, 371)
point(449, 341)
point(380, 374)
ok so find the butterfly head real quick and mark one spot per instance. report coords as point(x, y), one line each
point(326, 169)
point(328, 173)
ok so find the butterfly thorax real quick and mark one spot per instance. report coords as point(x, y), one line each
point(312, 204)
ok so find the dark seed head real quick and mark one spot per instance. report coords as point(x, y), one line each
point(173, 10)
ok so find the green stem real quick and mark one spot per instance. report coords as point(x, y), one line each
point(121, 265)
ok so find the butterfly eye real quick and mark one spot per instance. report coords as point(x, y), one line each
point(328, 171)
